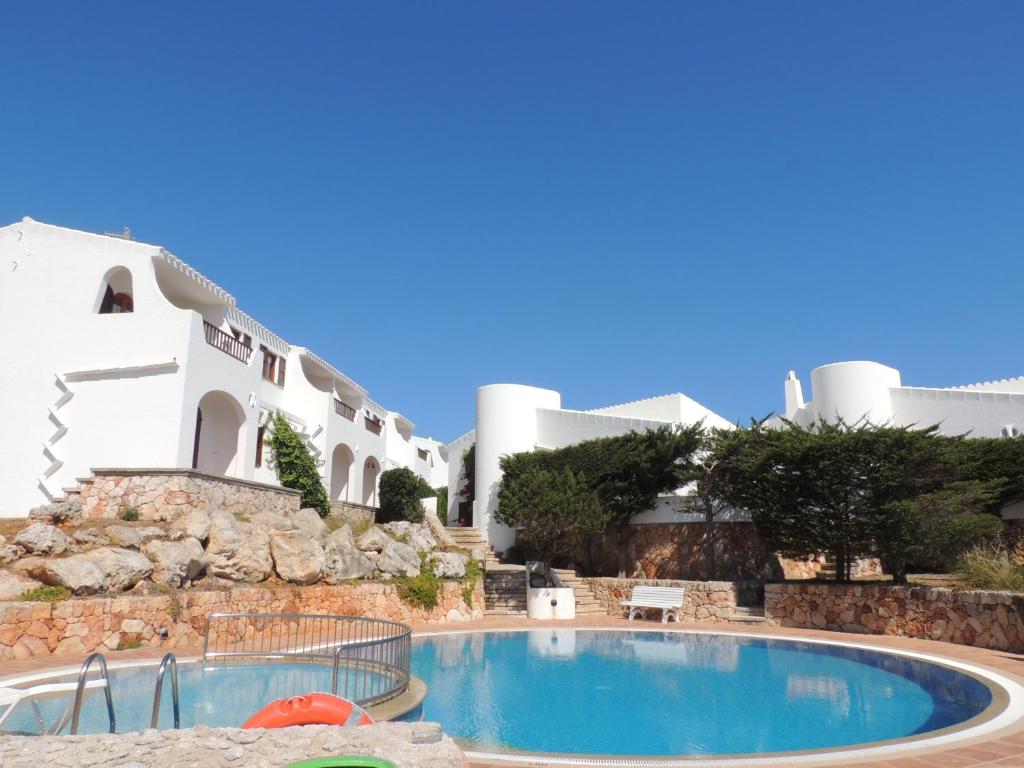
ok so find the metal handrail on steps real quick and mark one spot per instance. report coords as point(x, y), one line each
point(76, 709)
point(168, 661)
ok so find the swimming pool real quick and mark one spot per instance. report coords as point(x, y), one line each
point(652, 693)
point(639, 693)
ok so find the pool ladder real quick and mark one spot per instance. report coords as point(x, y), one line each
point(80, 688)
point(170, 662)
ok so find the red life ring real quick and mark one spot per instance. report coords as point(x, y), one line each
point(311, 709)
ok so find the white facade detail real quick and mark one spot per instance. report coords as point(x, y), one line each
point(513, 418)
point(865, 391)
point(119, 354)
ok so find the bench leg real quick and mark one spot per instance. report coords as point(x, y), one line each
point(669, 613)
point(634, 612)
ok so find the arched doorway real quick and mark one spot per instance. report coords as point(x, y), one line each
point(342, 463)
point(371, 471)
point(219, 436)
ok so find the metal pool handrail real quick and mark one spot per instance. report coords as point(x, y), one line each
point(168, 661)
point(76, 709)
point(373, 653)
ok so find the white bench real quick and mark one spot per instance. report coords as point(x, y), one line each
point(668, 599)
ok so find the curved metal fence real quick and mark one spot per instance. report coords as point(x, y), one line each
point(369, 659)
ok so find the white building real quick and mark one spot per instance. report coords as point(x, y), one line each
point(119, 354)
point(860, 390)
point(512, 418)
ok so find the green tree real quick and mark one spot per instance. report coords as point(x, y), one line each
point(442, 504)
point(705, 489)
point(295, 466)
point(553, 510)
point(400, 490)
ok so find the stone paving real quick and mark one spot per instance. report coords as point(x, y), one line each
point(1002, 748)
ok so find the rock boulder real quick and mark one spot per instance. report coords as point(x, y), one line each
point(175, 563)
point(373, 540)
point(308, 521)
point(194, 523)
point(78, 573)
point(342, 558)
point(61, 512)
point(399, 559)
point(13, 585)
point(122, 568)
point(449, 565)
point(42, 539)
point(238, 551)
point(297, 558)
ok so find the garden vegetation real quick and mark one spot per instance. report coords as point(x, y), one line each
point(295, 466)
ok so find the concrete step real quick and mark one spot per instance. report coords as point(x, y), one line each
point(748, 614)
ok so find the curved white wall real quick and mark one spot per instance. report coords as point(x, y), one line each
point(506, 423)
point(853, 391)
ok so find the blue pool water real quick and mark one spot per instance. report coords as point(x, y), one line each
point(599, 692)
point(669, 693)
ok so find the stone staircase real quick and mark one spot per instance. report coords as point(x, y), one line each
point(471, 540)
point(586, 603)
point(505, 590)
point(747, 614)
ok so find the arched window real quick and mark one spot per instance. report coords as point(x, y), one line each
point(116, 296)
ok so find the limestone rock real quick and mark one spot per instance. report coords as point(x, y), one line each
point(422, 540)
point(10, 553)
point(399, 559)
point(61, 512)
point(449, 565)
point(175, 563)
point(78, 573)
point(194, 523)
point(123, 536)
point(122, 568)
point(238, 551)
point(374, 539)
point(308, 521)
point(272, 521)
point(399, 528)
point(89, 537)
point(297, 558)
point(42, 539)
point(12, 585)
point(342, 558)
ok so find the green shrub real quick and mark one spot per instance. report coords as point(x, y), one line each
point(473, 574)
point(990, 568)
point(129, 514)
point(296, 467)
point(420, 591)
point(45, 594)
point(442, 504)
point(128, 645)
point(400, 496)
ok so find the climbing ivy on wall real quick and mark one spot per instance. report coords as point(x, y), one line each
point(295, 466)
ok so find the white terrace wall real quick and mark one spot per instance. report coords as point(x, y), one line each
point(165, 494)
point(985, 619)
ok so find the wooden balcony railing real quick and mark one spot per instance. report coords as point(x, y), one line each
point(372, 426)
point(345, 410)
point(227, 343)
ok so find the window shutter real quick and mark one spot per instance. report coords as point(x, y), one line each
point(280, 371)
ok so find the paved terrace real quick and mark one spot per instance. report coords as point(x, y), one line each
point(1002, 748)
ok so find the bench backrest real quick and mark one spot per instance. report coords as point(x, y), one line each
point(658, 595)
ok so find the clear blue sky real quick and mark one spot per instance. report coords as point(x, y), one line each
point(612, 200)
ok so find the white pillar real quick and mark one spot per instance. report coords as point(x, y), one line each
point(506, 423)
point(794, 395)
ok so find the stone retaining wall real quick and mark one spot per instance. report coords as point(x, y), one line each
point(166, 494)
point(985, 619)
point(78, 626)
point(353, 514)
point(407, 745)
point(710, 602)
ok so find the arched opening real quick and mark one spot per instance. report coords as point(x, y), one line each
point(371, 471)
point(116, 295)
point(342, 463)
point(219, 436)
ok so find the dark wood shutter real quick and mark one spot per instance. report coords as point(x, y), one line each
point(280, 371)
point(260, 431)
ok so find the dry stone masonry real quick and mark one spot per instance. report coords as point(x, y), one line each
point(709, 602)
point(985, 619)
